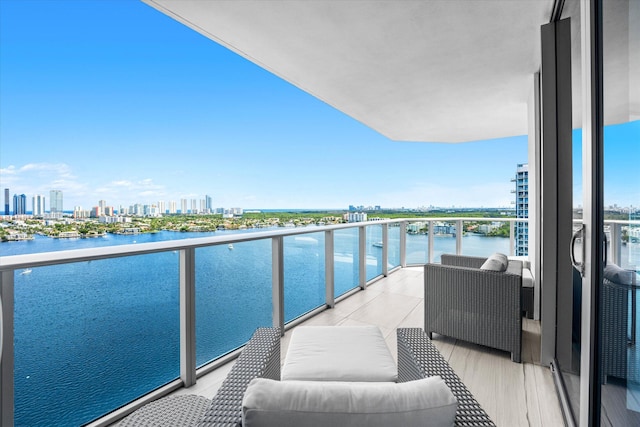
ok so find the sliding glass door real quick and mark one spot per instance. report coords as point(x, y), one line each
point(597, 337)
point(618, 323)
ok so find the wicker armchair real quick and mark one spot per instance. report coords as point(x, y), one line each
point(483, 307)
point(417, 358)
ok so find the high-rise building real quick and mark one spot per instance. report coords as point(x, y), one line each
point(208, 204)
point(161, 207)
point(522, 209)
point(194, 206)
point(6, 202)
point(55, 201)
point(183, 206)
point(19, 204)
point(38, 205)
point(172, 207)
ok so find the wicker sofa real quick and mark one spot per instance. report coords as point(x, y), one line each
point(417, 358)
point(480, 306)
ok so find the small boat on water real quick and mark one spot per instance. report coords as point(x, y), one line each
point(230, 246)
point(377, 244)
point(26, 271)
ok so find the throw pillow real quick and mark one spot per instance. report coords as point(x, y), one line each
point(618, 275)
point(496, 262)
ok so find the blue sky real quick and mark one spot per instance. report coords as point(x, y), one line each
point(113, 100)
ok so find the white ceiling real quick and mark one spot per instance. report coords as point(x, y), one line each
point(433, 70)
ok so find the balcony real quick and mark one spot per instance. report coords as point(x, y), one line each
point(512, 394)
point(361, 273)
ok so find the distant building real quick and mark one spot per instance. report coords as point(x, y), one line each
point(522, 209)
point(444, 228)
point(208, 203)
point(357, 217)
point(151, 210)
point(78, 212)
point(55, 201)
point(415, 227)
point(19, 204)
point(6, 202)
point(38, 205)
point(232, 212)
point(183, 206)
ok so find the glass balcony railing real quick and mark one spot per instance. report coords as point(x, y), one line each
point(113, 327)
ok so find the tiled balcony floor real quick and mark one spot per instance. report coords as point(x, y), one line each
point(513, 394)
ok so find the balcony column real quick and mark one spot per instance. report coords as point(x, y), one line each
point(329, 271)
point(188, 316)
point(362, 259)
point(277, 282)
point(459, 237)
point(385, 250)
point(616, 243)
point(6, 357)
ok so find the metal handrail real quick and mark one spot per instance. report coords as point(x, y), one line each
point(16, 262)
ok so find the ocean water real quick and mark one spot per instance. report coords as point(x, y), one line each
point(92, 336)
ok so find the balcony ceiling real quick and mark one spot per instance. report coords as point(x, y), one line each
point(435, 71)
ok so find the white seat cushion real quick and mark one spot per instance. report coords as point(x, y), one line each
point(527, 278)
point(269, 403)
point(339, 353)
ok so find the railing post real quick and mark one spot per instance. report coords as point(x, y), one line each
point(431, 241)
point(188, 316)
point(403, 244)
point(616, 243)
point(459, 237)
point(7, 355)
point(385, 250)
point(329, 271)
point(362, 253)
point(277, 282)
point(512, 237)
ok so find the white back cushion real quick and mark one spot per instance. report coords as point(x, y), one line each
point(425, 402)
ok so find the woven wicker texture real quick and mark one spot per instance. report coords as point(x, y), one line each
point(619, 331)
point(259, 358)
point(182, 410)
point(419, 358)
point(462, 260)
point(479, 306)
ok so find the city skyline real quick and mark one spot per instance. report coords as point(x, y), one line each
point(157, 112)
